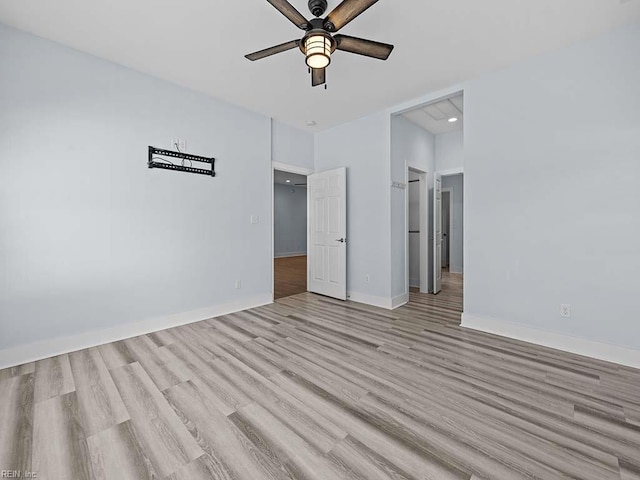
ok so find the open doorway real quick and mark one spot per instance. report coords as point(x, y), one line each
point(452, 261)
point(437, 128)
point(289, 234)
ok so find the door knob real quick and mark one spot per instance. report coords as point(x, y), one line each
point(341, 240)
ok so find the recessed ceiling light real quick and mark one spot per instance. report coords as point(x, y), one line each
point(311, 123)
point(453, 119)
point(288, 181)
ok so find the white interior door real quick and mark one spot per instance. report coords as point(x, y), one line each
point(437, 233)
point(327, 257)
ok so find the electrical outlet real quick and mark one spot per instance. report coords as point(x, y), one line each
point(367, 278)
point(238, 284)
point(565, 310)
point(255, 219)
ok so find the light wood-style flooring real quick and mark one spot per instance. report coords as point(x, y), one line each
point(312, 388)
point(290, 276)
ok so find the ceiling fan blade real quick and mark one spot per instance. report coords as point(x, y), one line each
point(318, 76)
point(345, 12)
point(283, 47)
point(368, 48)
point(289, 11)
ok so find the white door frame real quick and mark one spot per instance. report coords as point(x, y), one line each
point(283, 167)
point(449, 190)
point(424, 229)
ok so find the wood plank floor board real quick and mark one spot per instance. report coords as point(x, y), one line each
point(203, 338)
point(16, 422)
point(311, 387)
point(363, 463)
point(289, 276)
point(60, 450)
point(399, 392)
point(629, 471)
point(231, 331)
point(254, 326)
point(161, 434)
point(164, 368)
point(486, 439)
point(405, 455)
point(99, 400)
point(203, 468)
point(53, 377)
point(308, 461)
point(233, 453)
point(255, 361)
point(206, 379)
point(313, 428)
point(17, 370)
point(118, 453)
point(586, 396)
point(161, 338)
point(116, 354)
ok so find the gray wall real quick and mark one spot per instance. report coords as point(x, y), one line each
point(90, 238)
point(552, 197)
point(290, 220)
point(450, 150)
point(363, 147)
point(455, 182)
point(291, 145)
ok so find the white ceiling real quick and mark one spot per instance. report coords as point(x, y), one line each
point(295, 180)
point(201, 44)
point(435, 116)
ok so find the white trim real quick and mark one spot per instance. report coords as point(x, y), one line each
point(387, 303)
point(399, 301)
point(581, 346)
point(57, 346)
point(382, 302)
point(285, 167)
point(455, 270)
point(451, 171)
point(289, 255)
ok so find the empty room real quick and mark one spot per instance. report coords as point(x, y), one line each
point(320, 239)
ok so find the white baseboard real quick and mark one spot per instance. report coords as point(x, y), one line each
point(414, 282)
point(287, 255)
point(560, 341)
point(399, 301)
point(56, 346)
point(382, 302)
point(455, 270)
point(375, 301)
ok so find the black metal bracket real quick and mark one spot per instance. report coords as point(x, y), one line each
point(154, 153)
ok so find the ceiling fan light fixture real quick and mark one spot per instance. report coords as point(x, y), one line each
point(317, 48)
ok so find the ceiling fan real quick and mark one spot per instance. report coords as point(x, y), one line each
point(318, 43)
